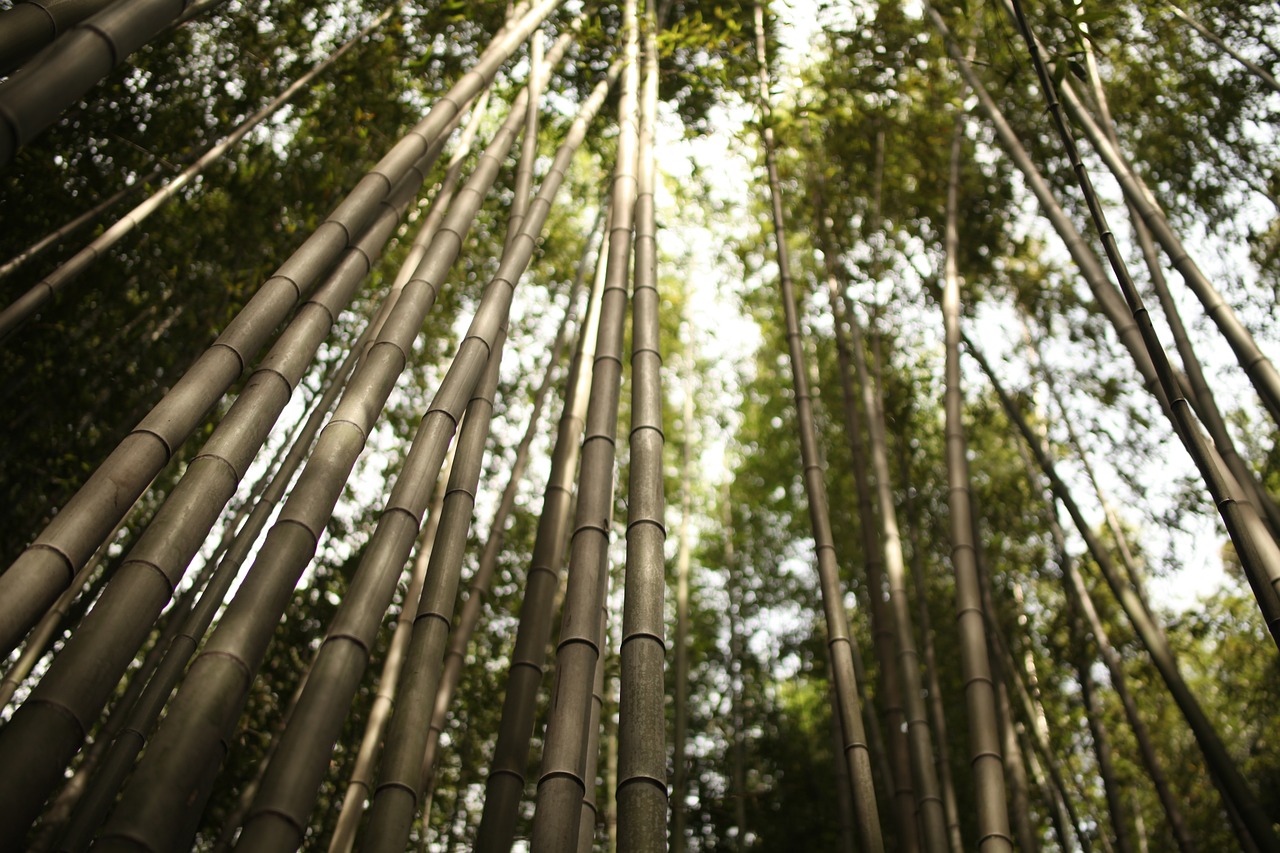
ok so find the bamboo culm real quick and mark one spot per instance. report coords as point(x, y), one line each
point(42, 571)
point(971, 603)
point(561, 783)
point(28, 26)
point(505, 784)
point(642, 741)
point(839, 640)
point(62, 707)
point(1258, 552)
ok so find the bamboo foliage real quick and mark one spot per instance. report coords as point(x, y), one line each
point(41, 572)
point(839, 640)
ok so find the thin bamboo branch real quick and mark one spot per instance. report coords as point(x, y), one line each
point(1217, 41)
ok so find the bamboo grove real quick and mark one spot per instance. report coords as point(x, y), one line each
point(565, 426)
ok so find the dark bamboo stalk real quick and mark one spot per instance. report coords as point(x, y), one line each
point(28, 26)
point(41, 572)
point(505, 784)
point(561, 782)
point(839, 640)
point(1259, 554)
point(642, 730)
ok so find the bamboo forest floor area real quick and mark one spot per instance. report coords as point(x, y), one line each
point(572, 426)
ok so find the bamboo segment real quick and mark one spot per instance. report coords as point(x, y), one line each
point(561, 784)
point(642, 742)
point(984, 736)
point(28, 26)
point(39, 575)
point(505, 784)
point(839, 640)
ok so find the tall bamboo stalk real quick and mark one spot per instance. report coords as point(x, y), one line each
point(680, 727)
point(839, 640)
point(505, 784)
point(1217, 41)
point(642, 728)
point(28, 26)
point(26, 306)
point(561, 783)
point(895, 765)
point(395, 800)
point(971, 608)
point(486, 567)
point(1232, 785)
point(41, 572)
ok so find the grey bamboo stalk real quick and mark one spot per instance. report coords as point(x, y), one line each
point(1217, 41)
point(478, 586)
point(984, 737)
point(505, 784)
point(361, 784)
point(290, 544)
point(28, 26)
point(486, 567)
point(679, 762)
point(1262, 374)
point(896, 765)
point(400, 776)
point(839, 640)
point(26, 306)
point(97, 779)
point(1258, 551)
point(1200, 395)
point(1233, 786)
point(40, 573)
point(64, 231)
point(395, 798)
point(561, 783)
point(588, 819)
point(71, 694)
point(736, 654)
point(642, 728)
point(928, 798)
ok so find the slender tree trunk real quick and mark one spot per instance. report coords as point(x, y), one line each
point(1217, 41)
point(1258, 551)
point(895, 765)
point(973, 611)
point(839, 640)
point(561, 783)
point(680, 774)
point(505, 785)
point(642, 728)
